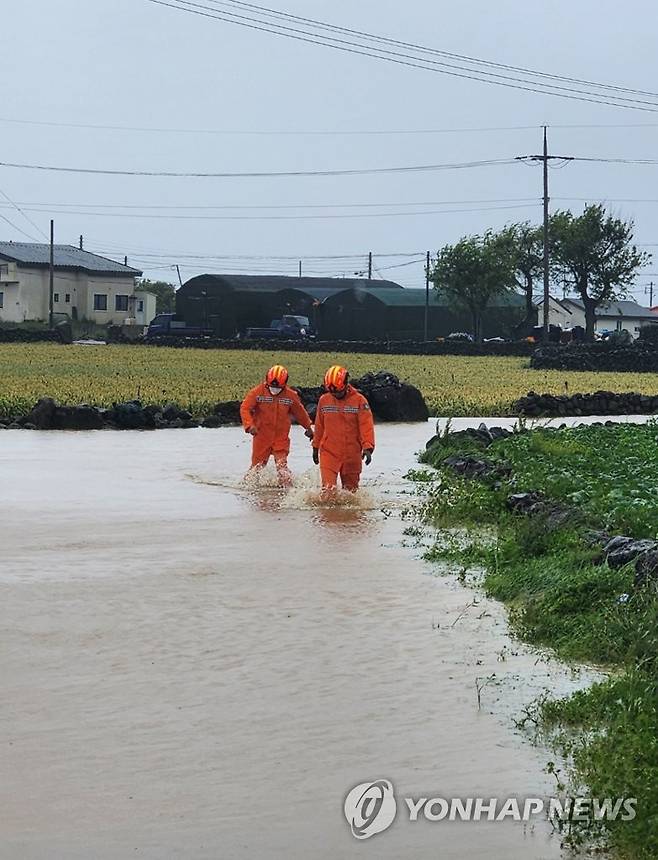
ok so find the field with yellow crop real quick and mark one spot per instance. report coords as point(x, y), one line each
point(197, 379)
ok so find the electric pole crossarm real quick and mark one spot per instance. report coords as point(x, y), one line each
point(548, 157)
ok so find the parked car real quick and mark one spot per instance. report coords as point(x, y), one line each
point(289, 327)
point(171, 325)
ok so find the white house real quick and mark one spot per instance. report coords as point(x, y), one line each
point(615, 316)
point(558, 314)
point(86, 286)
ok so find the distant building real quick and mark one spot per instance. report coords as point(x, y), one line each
point(623, 315)
point(87, 286)
point(559, 314)
point(371, 312)
point(231, 303)
point(338, 308)
point(145, 307)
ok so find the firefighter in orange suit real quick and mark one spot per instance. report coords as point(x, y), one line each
point(267, 412)
point(344, 432)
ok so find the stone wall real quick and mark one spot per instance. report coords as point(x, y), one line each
point(638, 357)
point(599, 403)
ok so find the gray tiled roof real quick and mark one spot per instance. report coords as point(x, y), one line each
point(66, 257)
point(625, 308)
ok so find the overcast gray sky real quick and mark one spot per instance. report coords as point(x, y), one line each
point(132, 63)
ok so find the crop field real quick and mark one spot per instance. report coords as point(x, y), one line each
point(197, 379)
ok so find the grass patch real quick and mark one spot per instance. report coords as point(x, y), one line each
point(561, 597)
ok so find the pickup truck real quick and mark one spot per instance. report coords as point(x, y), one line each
point(171, 325)
point(289, 327)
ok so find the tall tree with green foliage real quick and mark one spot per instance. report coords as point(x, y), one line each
point(595, 254)
point(164, 292)
point(475, 271)
point(528, 248)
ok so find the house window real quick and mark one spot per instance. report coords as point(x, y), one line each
point(140, 306)
point(121, 303)
point(67, 298)
point(56, 298)
point(619, 325)
point(100, 302)
point(4, 269)
point(2, 300)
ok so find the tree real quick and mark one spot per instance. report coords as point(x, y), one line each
point(528, 247)
point(164, 292)
point(474, 271)
point(596, 255)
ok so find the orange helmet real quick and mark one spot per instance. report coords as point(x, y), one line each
point(277, 375)
point(336, 378)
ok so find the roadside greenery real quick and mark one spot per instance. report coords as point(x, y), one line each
point(164, 292)
point(595, 255)
point(592, 255)
point(475, 271)
point(560, 595)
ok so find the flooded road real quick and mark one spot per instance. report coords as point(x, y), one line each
point(192, 669)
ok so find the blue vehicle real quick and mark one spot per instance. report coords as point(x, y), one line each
point(171, 325)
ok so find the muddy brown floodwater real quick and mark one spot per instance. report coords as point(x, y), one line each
point(194, 669)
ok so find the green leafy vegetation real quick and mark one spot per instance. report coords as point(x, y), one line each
point(560, 595)
point(164, 292)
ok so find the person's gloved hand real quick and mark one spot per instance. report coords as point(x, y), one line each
point(367, 455)
point(251, 431)
point(316, 456)
point(309, 433)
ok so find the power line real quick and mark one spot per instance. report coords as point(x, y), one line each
point(411, 45)
point(155, 252)
point(303, 217)
point(420, 168)
point(414, 61)
point(365, 171)
point(402, 265)
point(617, 160)
point(241, 206)
point(49, 206)
point(331, 41)
point(605, 125)
point(20, 212)
point(264, 132)
point(18, 229)
point(303, 132)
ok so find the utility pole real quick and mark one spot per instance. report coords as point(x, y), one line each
point(545, 158)
point(51, 276)
point(427, 296)
point(180, 280)
point(81, 243)
point(300, 268)
point(125, 260)
point(651, 294)
point(370, 266)
point(547, 262)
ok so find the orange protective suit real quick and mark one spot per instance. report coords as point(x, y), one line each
point(271, 416)
point(343, 430)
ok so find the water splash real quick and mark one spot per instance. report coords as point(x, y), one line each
point(304, 493)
